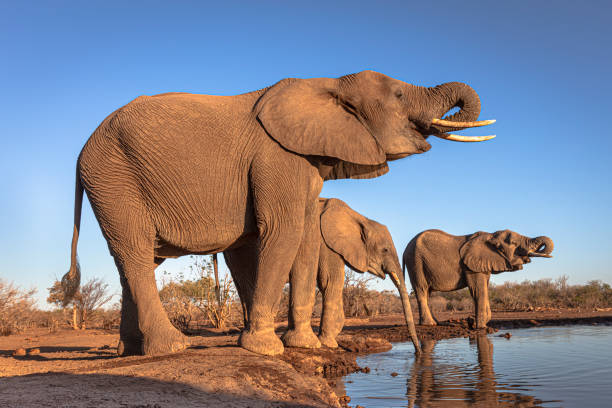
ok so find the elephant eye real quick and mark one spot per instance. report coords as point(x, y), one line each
point(385, 249)
point(399, 93)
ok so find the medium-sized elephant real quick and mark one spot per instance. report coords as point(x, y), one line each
point(347, 238)
point(439, 261)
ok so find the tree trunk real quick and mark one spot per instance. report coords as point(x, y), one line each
point(75, 323)
point(83, 317)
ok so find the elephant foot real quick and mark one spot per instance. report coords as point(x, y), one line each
point(127, 347)
point(165, 342)
point(262, 342)
point(328, 341)
point(302, 338)
point(426, 322)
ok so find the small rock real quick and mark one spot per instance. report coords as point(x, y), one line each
point(365, 370)
point(394, 374)
point(534, 322)
point(34, 352)
point(19, 352)
point(506, 335)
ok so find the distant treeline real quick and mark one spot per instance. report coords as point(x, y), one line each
point(540, 294)
point(191, 303)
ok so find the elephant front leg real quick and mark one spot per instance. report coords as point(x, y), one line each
point(332, 315)
point(478, 285)
point(303, 280)
point(276, 252)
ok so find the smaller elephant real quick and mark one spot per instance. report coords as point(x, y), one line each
point(348, 238)
point(437, 261)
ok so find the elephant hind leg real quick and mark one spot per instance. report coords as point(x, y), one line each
point(425, 317)
point(145, 328)
point(242, 262)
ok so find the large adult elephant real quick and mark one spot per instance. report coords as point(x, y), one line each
point(436, 260)
point(177, 173)
point(346, 238)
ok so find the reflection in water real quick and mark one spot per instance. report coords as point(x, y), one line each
point(447, 385)
point(565, 366)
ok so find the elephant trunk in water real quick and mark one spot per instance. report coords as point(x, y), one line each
point(400, 283)
point(541, 247)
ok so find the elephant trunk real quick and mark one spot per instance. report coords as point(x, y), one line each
point(448, 96)
point(541, 247)
point(400, 283)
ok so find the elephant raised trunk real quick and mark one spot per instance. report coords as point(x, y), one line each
point(460, 95)
point(541, 247)
point(454, 95)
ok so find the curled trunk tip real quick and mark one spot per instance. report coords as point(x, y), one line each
point(544, 243)
point(454, 94)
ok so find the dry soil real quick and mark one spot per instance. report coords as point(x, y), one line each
point(70, 368)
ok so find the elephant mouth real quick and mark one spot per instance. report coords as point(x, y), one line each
point(397, 156)
point(462, 125)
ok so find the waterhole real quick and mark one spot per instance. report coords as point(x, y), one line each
point(569, 366)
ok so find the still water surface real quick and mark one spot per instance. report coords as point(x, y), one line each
point(568, 366)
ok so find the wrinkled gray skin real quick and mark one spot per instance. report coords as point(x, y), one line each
point(347, 238)
point(177, 174)
point(437, 261)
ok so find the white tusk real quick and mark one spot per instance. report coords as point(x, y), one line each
point(450, 123)
point(538, 254)
point(459, 138)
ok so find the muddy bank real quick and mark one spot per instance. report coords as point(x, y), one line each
point(80, 368)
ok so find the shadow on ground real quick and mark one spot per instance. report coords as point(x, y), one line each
point(103, 390)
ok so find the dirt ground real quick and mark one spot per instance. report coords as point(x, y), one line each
point(81, 369)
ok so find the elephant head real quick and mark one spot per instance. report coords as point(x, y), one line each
point(361, 121)
point(366, 246)
point(502, 251)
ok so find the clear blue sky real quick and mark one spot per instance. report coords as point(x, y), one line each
point(542, 69)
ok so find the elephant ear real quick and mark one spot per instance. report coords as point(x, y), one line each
point(478, 255)
point(306, 116)
point(343, 233)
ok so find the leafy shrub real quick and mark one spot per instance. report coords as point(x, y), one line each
point(86, 304)
point(16, 308)
point(186, 300)
point(362, 301)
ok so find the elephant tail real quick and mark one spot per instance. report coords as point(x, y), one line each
point(72, 279)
